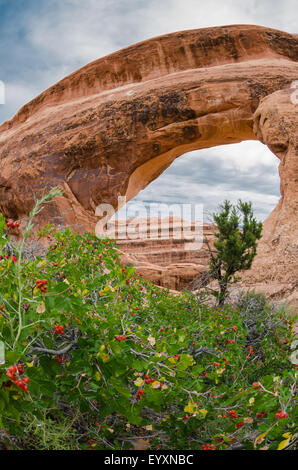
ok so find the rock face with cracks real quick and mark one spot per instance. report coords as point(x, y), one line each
point(112, 127)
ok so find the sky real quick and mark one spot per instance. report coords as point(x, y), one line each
point(41, 41)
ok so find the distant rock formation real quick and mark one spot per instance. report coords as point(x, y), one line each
point(112, 127)
point(170, 252)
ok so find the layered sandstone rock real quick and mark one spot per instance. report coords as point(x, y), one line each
point(112, 127)
point(171, 252)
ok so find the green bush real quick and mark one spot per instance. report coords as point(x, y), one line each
point(107, 356)
point(236, 244)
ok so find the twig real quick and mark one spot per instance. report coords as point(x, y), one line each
point(53, 351)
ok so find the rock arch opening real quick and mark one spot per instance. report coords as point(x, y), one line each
point(157, 229)
point(247, 171)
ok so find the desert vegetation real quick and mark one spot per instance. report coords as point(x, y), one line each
point(98, 358)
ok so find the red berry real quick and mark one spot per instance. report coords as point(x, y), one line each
point(59, 329)
point(255, 385)
point(281, 415)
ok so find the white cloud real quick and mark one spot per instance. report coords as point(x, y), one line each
point(73, 34)
point(78, 32)
point(16, 93)
point(174, 15)
point(242, 156)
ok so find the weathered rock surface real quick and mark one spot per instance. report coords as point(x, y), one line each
point(275, 269)
point(112, 127)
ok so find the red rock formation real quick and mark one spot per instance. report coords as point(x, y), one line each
point(115, 125)
point(275, 269)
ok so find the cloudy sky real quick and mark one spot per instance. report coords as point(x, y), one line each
point(44, 40)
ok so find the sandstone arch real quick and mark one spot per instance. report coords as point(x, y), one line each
point(113, 126)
